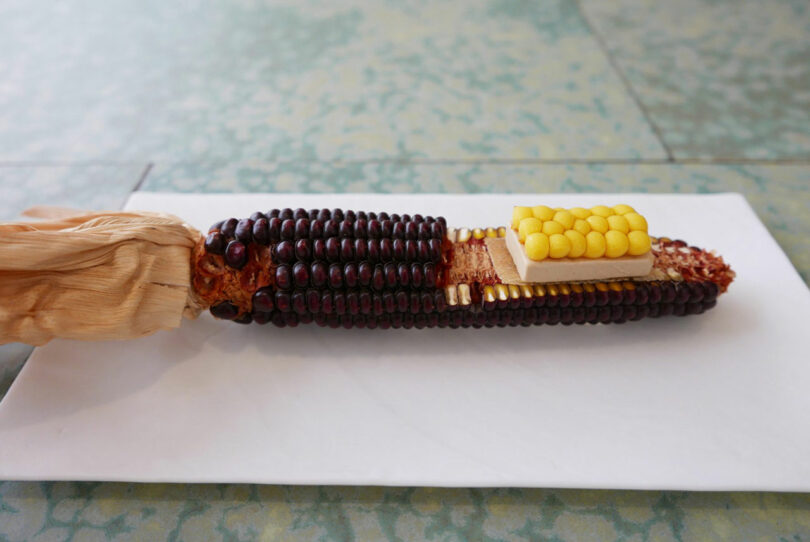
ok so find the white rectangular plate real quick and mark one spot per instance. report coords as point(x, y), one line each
point(711, 402)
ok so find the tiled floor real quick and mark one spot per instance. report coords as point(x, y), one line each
point(455, 96)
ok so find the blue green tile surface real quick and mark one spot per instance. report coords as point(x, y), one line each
point(720, 78)
point(244, 81)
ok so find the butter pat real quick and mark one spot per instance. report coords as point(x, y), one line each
point(580, 269)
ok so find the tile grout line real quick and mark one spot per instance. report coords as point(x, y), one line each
point(628, 87)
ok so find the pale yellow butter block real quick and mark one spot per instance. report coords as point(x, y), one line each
point(580, 269)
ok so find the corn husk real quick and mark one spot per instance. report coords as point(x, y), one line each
point(94, 276)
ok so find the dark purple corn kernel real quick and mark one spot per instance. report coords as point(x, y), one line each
point(371, 216)
point(442, 221)
point(423, 231)
point(224, 310)
point(333, 249)
point(378, 278)
point(285, 252)
point(301, 274)
point(592, 315)
point(386, 250)
point(655, 293)
point(696, 292)
point(282, 301)
point(411, 231)
point(302, 228)
point(433, 320)
point(666, 309)
point(312, 214)
point(331, 228)
point(291, 319)
point(682, 292)
point(285, 213)
point(504, 317)
point(318, 249)
point(257, 215)
point(278, 320)
point(352, 303)
point(429, 278)
point(340, 303)
point(395, 217)
point(602, 298)
point(374, 229)
point(303, 250)
point(244, 231)
point(398, 231)
point(588, 298)
point(320, 319)
point(513, 302)
point(437, 230)
point(427, 302)
point(418, 218)
point(417, 275)
point(364, 272)
point(324, 215)
point(642, 294)
point(403, 276)
point(444, 319)
point(629, 296)
point(244, 319)
point(577, 298)
point(346, 250)
point(491, 319)
point(604, 314)
point(313, 301)
point(525, 302)
point(390, 271)
point(410, 251)
point(709, 304)
point(288, 229)
point(350, 275)
point(456, 319)
point(261, 231)
point(350, 215)
point(274, 229)
point(435, 250)
point(630, 312)
point(655, 311)
point(283, 277)
point(216, 226)
point(360, 228)
point(315, 229)
point(377, 307)
point(337, 214)
point(678, 309)
point(389, 302)
point(305, 318)
point(333, 321)
point(552, 300)
point(228, 228)
point(429, 219)
point(711, 291)
point(386, 229)
point(273, 213)
point(364, 298)
point(423, 251)
point(335, 276)
point(402, 301)
point(299, 302)
point(399, 250)
point(468, 319)
point(419, 321)
point(371, 323)
point(642, 311)
point(362, 215)
point(694, 307)
point(215, 243)
point(384, 322)
point(346, 229)
point(383, 216)
point(236, 254)
point(326, 303)
point(616, 312)
point(563, 300)
point(615, 297)
point(414, 303)
point(373, 247)
point(668, 292)
point(263, 300)
point(300, 213)
point(261, 318)
point(359, 321)
point(579, 315)
point(360, 250)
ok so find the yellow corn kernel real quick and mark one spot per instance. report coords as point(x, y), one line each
point(580, 212)
point(542, 212)
point(639, 243)
point(623, 209)
point(597, 223)
point(582, 226)
point(595, 245)
point(537, 246)
point(478, 233)
point(602, 210)
point(616, 244)
point(578, 243)
point(502, 231)
point(518, 214)
point(559, 246)
point(565, 218)
point(636, 222)
point(527, 226)
point(551, 227)
point(618, 223)
point(492, 232)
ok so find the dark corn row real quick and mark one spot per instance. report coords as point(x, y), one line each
point(334, 249)
point(353, 301)
point(609, 314)
point(416, 276)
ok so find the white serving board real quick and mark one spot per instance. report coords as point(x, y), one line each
point(712, 402)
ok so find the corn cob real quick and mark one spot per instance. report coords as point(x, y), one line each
point(348, 269)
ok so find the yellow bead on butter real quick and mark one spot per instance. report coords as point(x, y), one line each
point(559, 246)
point(565, 218)
point(616, 244)
point(597, 223)
point(578, 243)
point(595, 242)
point(551, 227)
point(618, 223)
point(636, 222)
point(602, 210)
point(580, 212)
point(639, 243)
point(542, 212)
point(582, 226)
point(623, 209)
point(518, 214)
point(537, 246)
point(527, 226)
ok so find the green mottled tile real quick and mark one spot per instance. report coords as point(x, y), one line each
point(245, 81)
point(720, 78)
point(779, 193)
